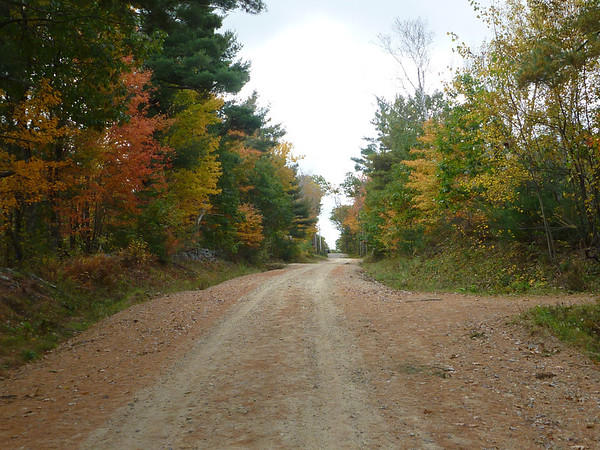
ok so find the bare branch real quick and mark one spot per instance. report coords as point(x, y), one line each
point(412, 41)
point(385, 42)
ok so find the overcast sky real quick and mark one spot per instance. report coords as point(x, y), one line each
point(316, 65)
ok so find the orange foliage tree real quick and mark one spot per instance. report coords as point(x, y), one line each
point(113, 168)
point(28, 173)
point(249, 227)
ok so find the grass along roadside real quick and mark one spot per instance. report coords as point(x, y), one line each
point(38, 311)
point(475, 269)
point(577, 325)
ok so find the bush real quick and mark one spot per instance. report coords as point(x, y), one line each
point(91, 270)
point(487, 268)
point(136, 254)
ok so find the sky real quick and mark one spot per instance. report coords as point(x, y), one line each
point(317, 66)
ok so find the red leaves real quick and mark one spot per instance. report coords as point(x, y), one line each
point(111, 169)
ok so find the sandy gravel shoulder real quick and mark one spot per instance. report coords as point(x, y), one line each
point(461, 370)
point(59, 399)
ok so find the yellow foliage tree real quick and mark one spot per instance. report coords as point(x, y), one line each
point(249, 229)
point(282, 160)
point(28, 173)
point(423, 178)
point(236, 143)
point(501, 184)
point(196, 171)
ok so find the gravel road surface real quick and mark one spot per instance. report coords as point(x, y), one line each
point(310, 356)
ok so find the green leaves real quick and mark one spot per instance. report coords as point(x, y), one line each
point(95, 155)
point(512, 150)
point(566, 38)
point(78, 46)
point(193, 55)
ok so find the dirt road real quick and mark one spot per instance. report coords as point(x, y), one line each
point(311, 356)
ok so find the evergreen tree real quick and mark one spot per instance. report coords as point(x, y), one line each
point(194, 55)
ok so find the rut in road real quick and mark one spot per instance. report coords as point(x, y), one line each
point(279, 371)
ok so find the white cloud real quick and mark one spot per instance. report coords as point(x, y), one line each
point(320, 81)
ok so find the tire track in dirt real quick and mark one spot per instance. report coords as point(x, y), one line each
point(279, 371)
point(342, 375)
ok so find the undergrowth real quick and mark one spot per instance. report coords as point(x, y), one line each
point(491, 270)
point(577, 325)
point(41, 308)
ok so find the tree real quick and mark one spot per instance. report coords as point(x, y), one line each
point(537, 127)
point(193, 54)
point(347, 218)
point(424, 179)
point(29, 174)
point(569, 41)
point(389, 217)
point(249, 227)
point(312, 188)
point(239, 129)
point(112, 169)
point(84, 148)
point(195, 170)
point(77, 47)
point(412, 40)
point(258, 169)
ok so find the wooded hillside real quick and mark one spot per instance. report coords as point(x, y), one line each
point(504, 162)
point(116, 132)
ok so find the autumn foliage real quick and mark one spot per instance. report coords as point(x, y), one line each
point(107, 142)
point(507, 155)
point(110, 171)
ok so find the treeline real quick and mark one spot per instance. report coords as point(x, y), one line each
point(116, 132)
point(509, 154)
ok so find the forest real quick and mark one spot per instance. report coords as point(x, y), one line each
point(493, 183)
point(129, 167)
point(119, 133)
